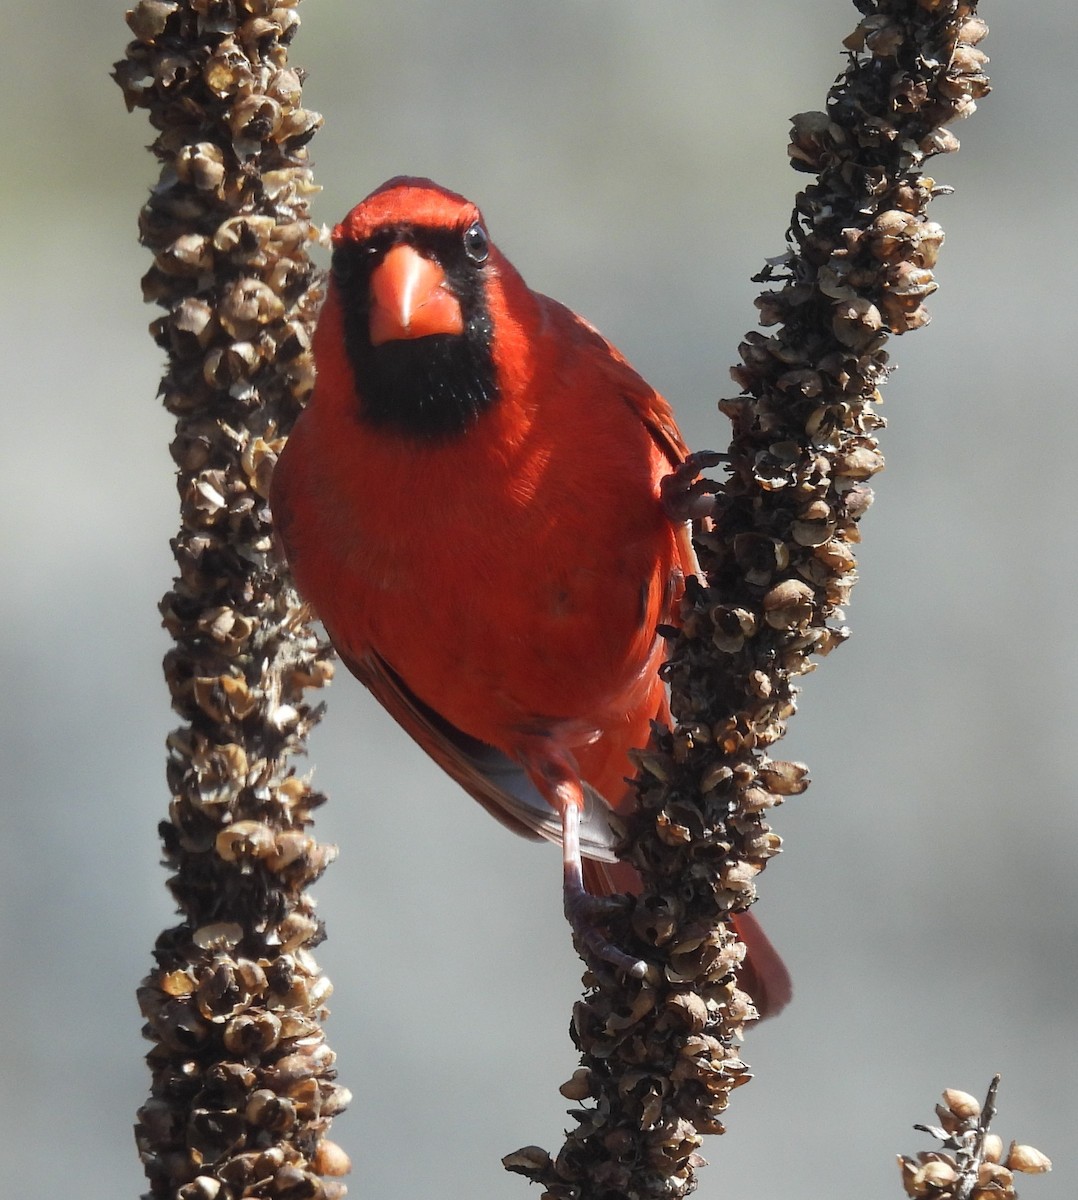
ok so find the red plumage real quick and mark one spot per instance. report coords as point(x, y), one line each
point(471, 504)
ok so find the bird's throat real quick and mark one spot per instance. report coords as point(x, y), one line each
point(428, 388)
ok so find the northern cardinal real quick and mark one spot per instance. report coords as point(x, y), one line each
point(471, 504)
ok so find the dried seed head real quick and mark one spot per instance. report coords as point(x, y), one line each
point(330, 1159)
point(1027, 1159)
point(246, 842)
point(254, 118)
point(732, 627)
point(147, 20)
point(933, 1178)
point(761, 558)
point(579, 1087)
point(228, 227)
point(812, 140)
point(220, 935)
point(939, 141)
point(527, 1160)
point(789, 604)
point(961, 1104)
point(202, 1187)
point(267, 1110)
point(815, 525)
point(972, 31)
point(202, 165)
point(290, 846)
point(252, 1033)
point(189, 254)
point(247, 306)
point(857, 323)
point(994, 1179)
point(836, 556)
point(858, 462)
point(885, 37)
point(993, 1148)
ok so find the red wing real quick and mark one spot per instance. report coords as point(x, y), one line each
point(658, 418)
point(500, 784)
point(654, 412)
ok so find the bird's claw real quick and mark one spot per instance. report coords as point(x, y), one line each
point(587, 914)
point(684, 495)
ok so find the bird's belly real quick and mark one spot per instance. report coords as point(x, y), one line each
point(518, 645)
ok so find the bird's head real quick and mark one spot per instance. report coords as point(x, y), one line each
point(412, 275)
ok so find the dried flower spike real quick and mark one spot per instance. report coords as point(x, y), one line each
point(243, 1082)
point(778, 556)
point(967, 1165)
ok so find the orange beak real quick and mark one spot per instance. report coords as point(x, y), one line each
point(410, 298)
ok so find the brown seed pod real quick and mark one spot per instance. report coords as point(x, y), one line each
point(330, 1159)
point(961, 1105)
point(1027, 1159)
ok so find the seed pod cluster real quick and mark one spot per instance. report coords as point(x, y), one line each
point(659, 1055)
point(971, 1163)
point(243, 1082)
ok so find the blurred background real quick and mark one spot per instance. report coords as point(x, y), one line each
point(630, 158)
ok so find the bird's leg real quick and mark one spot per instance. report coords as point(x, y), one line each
point(691, 564)
point(584, 911)
point(553, 772)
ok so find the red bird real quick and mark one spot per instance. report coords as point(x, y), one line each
point(471, 503)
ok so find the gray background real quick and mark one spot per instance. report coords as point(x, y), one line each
point(630, 158)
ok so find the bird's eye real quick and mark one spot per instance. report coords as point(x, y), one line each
point(377, 244)
point(476, 245)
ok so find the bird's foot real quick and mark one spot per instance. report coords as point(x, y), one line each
point(684, 495)
point(558, 778)
point(587, 914)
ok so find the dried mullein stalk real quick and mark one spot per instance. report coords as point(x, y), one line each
point(971, 1163)
point(243, 1083)
point(659, 1055)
